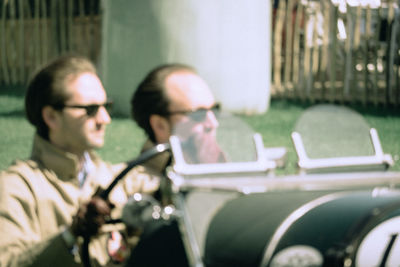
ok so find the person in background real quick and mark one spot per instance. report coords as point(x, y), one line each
point(173, 99)
point(48, 203)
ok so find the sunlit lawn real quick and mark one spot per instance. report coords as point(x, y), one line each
point(124, 138)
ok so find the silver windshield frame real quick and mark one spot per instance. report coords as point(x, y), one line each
point(261, 164)
point(377, 161)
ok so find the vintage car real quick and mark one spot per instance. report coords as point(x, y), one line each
point(342, 207)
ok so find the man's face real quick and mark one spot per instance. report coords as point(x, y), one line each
point(188, 92)
point(78, 131)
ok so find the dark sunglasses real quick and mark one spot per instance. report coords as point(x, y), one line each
point(198, 115)
point(91, 110)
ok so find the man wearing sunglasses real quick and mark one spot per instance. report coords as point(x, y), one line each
point(48, 203)
point(174, 99)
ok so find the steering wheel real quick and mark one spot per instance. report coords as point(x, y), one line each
point(145, 156)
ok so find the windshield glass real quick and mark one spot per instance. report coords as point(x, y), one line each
point(219, 137)
point(334, 131)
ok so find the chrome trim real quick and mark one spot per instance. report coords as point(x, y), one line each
point(189, 238)
point(290, 220)
point(307, 164)
point(262, 164)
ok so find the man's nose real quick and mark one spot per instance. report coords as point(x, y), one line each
point(211, 120)
point(102, 116)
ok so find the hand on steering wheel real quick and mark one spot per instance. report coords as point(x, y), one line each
point(90, 217)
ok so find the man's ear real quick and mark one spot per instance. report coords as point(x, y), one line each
point(51, 117)
point(161, 128)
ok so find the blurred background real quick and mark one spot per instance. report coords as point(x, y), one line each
point(265, 60)
point(337, 51)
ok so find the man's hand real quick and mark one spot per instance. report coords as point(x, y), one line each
point(90, 217)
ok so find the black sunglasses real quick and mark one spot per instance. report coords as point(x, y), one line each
point(91, 110)
point(198, 115)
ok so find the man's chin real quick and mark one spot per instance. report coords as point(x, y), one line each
point(95, 144)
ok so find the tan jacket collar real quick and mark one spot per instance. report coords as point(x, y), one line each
point(64, 164)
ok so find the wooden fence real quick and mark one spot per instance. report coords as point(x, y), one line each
point(321, 51)
point(337, 52)
point(34, 31)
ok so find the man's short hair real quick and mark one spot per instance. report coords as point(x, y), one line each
point(151, 98)
point(48, 88)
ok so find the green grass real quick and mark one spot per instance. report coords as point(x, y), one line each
point(124, 138)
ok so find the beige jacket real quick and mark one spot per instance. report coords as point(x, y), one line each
point(38, 198)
